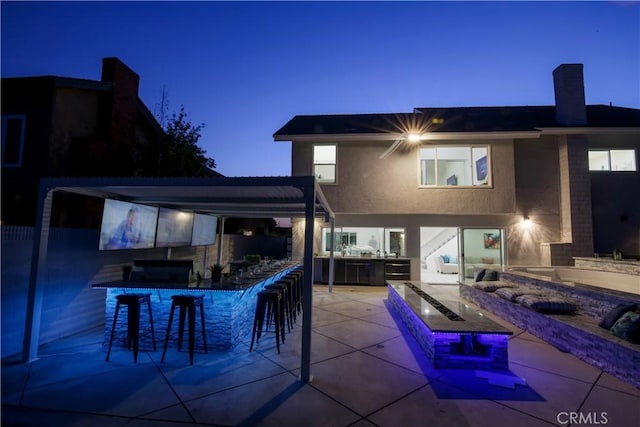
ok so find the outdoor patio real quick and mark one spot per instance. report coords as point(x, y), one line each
point(367, 370)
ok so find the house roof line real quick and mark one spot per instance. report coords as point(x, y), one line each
point(520, 122)
point(71, 82)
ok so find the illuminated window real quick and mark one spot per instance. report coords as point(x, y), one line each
point(364, 241)
point(612, 160)
point(324, 163)
point(12, 140)
point(454, 166)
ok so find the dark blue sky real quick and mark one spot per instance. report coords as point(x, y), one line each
point(245, 68)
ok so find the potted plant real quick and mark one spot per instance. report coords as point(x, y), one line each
point(216, 273)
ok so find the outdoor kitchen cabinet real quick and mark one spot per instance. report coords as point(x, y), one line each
point(367, 271)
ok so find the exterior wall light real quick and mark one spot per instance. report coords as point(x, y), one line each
point(409, 137)
point(526, 221)
point(413, 137)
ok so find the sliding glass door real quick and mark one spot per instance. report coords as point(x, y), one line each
point(480, 248)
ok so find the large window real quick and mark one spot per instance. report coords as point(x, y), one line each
point(364, 241)
point(12, 140)
point(612, 160)
point(454, 166)
point(324, 163)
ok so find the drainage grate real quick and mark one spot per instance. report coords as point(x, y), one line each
point(435, 303)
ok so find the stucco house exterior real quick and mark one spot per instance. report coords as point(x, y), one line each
point(516, 185)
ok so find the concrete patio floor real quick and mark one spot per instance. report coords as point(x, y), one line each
point(367, 371)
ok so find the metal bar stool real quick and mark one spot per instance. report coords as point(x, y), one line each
point(133, 303)
point(269, 304)
point(187, 305)
point(286, 287)
point(299, 276)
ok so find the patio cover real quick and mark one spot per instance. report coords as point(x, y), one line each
point(250, 197)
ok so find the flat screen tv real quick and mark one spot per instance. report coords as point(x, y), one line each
point(174, 228)
point(205, 228)
point(127, 225)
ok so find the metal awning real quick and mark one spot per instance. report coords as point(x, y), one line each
point(249, 197)
point(260, 197)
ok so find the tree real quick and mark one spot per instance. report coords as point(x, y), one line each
point(181, 155)
point(176, 152)
point(162, 108)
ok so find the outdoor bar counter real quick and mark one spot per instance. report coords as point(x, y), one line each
point(229, 308)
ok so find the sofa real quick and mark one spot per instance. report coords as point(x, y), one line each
point(447, 264)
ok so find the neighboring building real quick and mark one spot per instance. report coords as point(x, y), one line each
point(60, 126)
point(460, 182)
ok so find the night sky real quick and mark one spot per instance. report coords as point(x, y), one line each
point(245, 68)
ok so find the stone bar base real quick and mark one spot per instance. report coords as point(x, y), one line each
point(447, 349)
point(228, 316)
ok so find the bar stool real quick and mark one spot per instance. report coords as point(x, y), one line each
point(133, 303)
point(299, 276)
point(187, 305)
point(269, 304)
point(294, 293)
point(285, 286)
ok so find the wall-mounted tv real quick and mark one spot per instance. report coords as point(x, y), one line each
point(174, 228)
point(205, 228)
point(127, 225)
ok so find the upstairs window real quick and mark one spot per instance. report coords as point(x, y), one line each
point(324, 163)
point(454, 166)
point(612, 160)
point(12, 140)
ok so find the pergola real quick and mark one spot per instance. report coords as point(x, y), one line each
point(249, 197)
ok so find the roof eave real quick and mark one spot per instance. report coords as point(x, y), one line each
point(444, 136)
point(387, 136)
point(588, 130)
point(428, 136)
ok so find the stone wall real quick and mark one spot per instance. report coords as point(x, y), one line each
point(608, 264)
point(578, 334)
point(228, 317)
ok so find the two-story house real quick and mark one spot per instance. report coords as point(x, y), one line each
point(62, 126)
point(519, 185)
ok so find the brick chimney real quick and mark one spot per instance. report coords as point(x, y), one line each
point(568, 85)
point(122, 112)
point(575, 179)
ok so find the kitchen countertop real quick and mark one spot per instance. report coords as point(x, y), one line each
point(203, 285)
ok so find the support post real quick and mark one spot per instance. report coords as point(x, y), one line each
point(220, 239)
point(38, 275)
point(307, 285)
point(331, 256)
